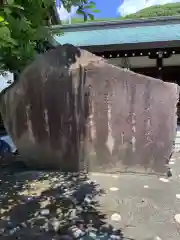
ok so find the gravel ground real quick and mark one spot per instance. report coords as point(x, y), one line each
point(52, 205)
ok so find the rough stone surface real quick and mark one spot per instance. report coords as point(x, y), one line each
point(71, 110)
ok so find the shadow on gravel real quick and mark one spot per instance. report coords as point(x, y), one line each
point(51, 205)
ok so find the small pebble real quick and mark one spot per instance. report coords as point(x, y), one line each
point(177, 218)
point(89, 181)
point(23, 225)
point(45, 212)
point(178, 196)
point(115, 237)
point(87, 200)
point(169, 172)
point(115, 176)
point(164, 180)
point(76, 232)
point(114, 189)
point(146, 186)
point(116, 217)
point(158, 238)
point(56, 225)
point(55, 179)
point(171, 163)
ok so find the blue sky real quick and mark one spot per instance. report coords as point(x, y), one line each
point(115, 8)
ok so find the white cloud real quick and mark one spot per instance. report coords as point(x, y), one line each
point(64, 14)
point(131, 6)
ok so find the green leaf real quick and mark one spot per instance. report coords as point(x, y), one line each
point(89, 6)
point(91, 16)
point(16, 6)
point(25, 29)
point(7, 10)
point(1, 19)
point(10, 2)
point(95, 11)
point(80, 12)
point(92, 2)
point(4, 31)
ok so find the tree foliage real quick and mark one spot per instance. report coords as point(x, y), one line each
point(80, 20)
point(25, 28)
point(170, 9)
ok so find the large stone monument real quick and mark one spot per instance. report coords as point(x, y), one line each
point(71, 110)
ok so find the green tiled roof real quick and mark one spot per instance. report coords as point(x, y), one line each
point(120, 35)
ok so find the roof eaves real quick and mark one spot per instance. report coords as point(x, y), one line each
point(117, 24)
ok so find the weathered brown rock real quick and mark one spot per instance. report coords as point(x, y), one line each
point(71, 110)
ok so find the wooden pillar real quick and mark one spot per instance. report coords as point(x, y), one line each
point(159, 65)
